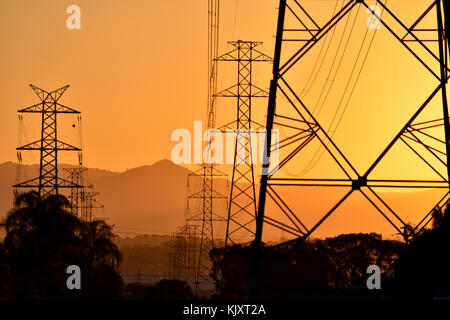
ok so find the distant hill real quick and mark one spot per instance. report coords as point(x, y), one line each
point(8, 178)
point(152, 199)
point(149, 197)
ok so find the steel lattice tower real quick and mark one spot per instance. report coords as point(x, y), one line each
point(77, 195)
point(205, 197)
point(82, 198)
point(48, 181)
point(204, 216)
point(414, 134)
point(183, 254)
point(90, 204)
point(242, 200)
point(177, 256)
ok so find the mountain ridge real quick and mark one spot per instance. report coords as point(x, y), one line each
point(153, 198)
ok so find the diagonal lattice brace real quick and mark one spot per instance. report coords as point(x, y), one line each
point(430, 61)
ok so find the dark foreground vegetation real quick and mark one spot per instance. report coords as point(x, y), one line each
point(336, 268)
point(43, 239)
point(314, 269)
point(172, 290)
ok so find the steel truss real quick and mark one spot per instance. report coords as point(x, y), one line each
point(83, 199)
point(241, 220)
point(48, 181)
point(183, 254)
point(412, 134)
point(204, 216)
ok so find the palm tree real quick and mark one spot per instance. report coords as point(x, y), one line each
point(99, 239)
point(31, 214)
point(41, 228)
point(43, 238)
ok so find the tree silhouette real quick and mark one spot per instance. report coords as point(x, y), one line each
point(99, 239)
point(318, 268)
point(422, 269)
point(43, 238)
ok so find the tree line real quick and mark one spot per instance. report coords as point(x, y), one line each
point(43, 238)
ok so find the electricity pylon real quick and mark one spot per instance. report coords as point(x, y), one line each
point(82, 195)
point(414, 134)
point(205, 197)
point(77, 195)
point(48, 181)
point(183, 254)
point(90, 204)
point(242, 199)
point(204, 200)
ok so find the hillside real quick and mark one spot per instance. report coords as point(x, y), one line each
point(148, 197)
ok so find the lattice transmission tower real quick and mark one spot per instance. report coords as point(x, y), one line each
point(77, 195)
point(202, 211)
point(48, 181)
point(428, 45)
point(183, 254)
point(204, 198)
point(241, 219)
point(83, 199)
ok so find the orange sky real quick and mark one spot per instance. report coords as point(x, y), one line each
point(137, 71)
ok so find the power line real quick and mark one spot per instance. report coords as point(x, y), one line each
point(321, 149)
point(305, 90)
point(308, 166)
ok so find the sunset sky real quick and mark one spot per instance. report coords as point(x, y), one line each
point(138, 70)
